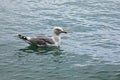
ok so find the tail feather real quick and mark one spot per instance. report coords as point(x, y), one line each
point(22, 37)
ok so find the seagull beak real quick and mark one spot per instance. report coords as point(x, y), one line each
point(64, 32)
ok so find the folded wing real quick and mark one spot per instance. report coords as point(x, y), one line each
point(41, 41)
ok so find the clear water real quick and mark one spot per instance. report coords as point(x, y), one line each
point(91, 50)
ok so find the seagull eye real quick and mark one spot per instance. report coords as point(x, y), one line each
point(58, 30)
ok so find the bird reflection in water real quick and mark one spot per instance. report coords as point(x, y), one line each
point(42, 50)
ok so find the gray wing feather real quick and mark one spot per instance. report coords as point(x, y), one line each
point(41, 40)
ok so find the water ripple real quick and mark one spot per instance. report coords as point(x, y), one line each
point(89, 51)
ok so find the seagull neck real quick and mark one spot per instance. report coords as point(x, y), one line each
point(56, 38)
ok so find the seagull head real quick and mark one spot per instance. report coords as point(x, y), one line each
point(59, 30)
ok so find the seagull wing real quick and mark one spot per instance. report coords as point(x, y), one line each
point(41, 40)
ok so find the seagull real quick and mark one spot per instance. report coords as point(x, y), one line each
point(42, 40)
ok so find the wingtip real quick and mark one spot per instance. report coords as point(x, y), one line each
point(18, 35)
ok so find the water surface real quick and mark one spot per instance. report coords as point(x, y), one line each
point(91, 50)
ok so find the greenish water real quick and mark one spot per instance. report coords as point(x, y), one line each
point(91, 50)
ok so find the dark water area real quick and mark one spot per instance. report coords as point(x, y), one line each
point(91, 50)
